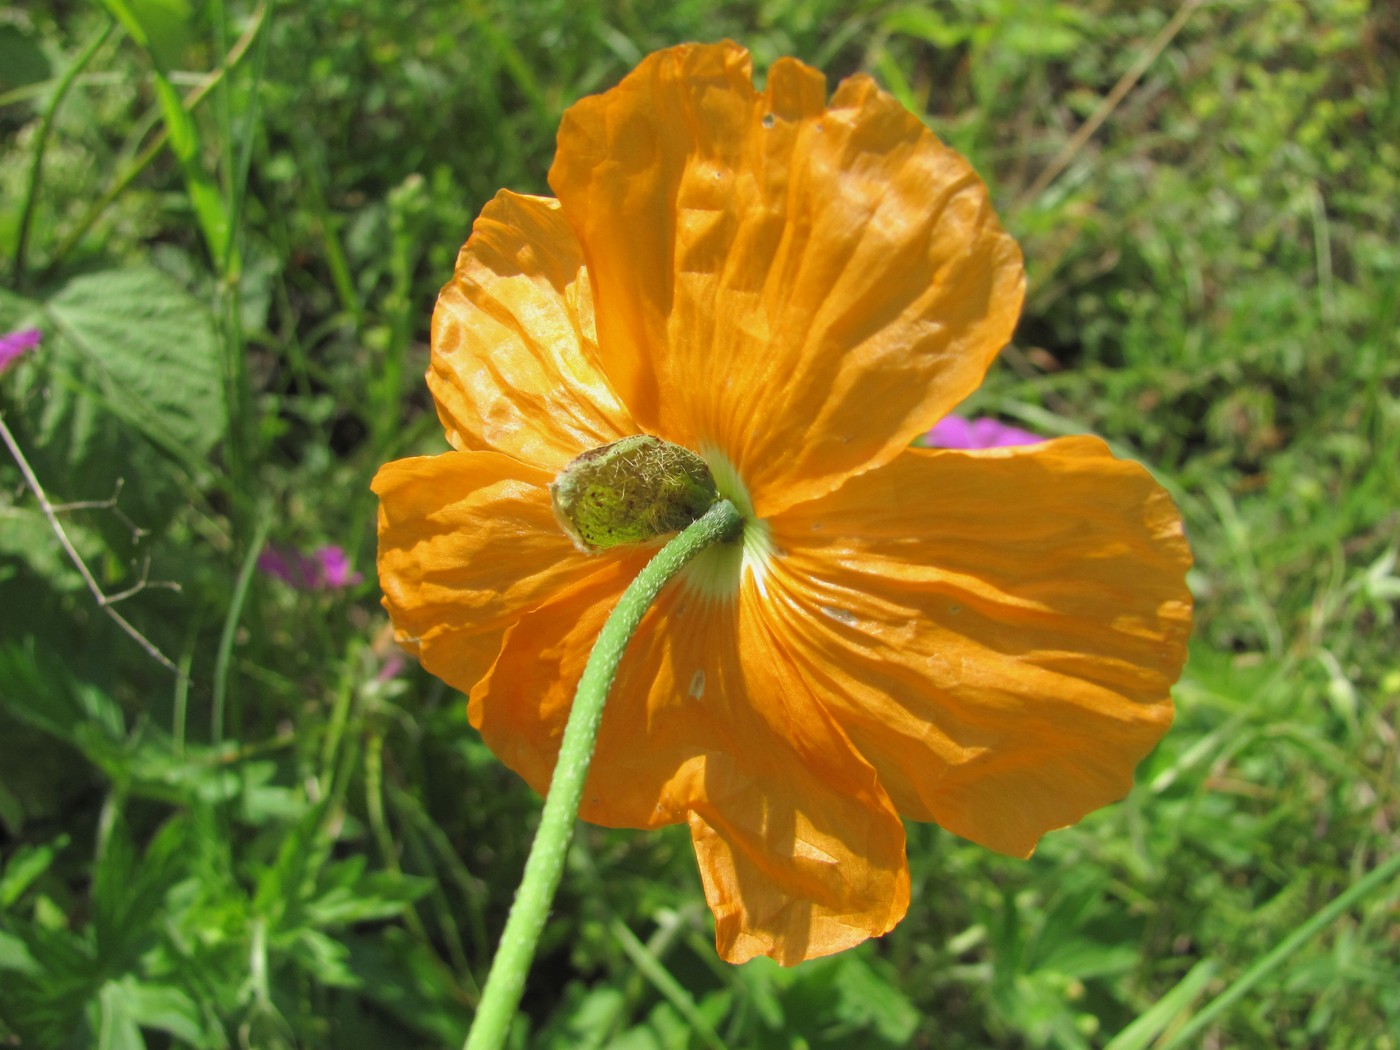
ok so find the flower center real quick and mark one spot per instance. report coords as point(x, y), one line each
point(716, 572)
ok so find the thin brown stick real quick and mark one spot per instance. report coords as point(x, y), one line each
point(103, 602)
point(1110, 101)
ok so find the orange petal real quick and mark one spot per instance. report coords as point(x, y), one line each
point(805, 288)
point(800, 850)
point(514, 355)
point(468, 542)
point(997, 632)
point(520, 707)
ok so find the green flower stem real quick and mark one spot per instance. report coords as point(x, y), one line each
point(506, 981)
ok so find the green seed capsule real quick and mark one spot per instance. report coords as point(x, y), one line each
point(631, 491)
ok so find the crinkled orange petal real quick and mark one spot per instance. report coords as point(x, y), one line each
point(800, 849)
point(805, 287)
point(467, 543)
point(520, 707)
point(514, 363)
point(997, 632)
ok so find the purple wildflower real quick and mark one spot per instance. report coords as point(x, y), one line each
point(16, 343)
point(324, 569)
point(334, 567)
point(392, 666)
point(957, 432)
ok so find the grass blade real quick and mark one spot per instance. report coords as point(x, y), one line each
point(1380, 877)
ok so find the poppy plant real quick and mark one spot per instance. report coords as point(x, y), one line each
point(793, 289)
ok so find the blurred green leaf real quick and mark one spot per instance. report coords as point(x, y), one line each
point(927, 25)
point(117, 1029)
point(168, 26)
point(22, 61)
point(35, 689)
point(128, 894)
point(164, 1008)
point(1148, 1026)
point(322, 958)
point(24, 866)
point(405, 979)
point(14, 956)
point(349, 895)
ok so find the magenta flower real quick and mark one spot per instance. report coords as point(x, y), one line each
point(324, 569)
point(16, 343)
point(957, 432)
point(392, 666)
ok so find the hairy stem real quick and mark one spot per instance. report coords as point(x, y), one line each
point(506, 981)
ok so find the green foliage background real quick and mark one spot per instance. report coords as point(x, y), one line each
point(230, 221)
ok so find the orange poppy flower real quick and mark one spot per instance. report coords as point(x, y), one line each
point(795, 289)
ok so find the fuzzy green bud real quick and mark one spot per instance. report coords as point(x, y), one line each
point(631, 491)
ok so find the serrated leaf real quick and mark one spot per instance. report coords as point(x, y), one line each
point(138, 341)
